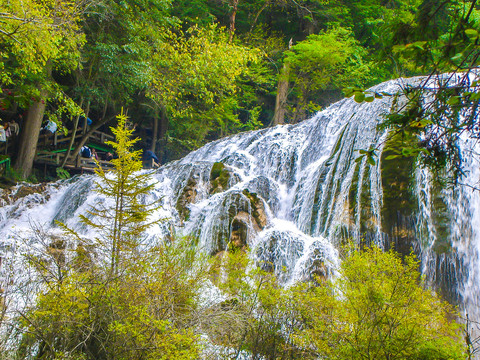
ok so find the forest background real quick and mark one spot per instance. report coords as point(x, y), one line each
point(189, 72)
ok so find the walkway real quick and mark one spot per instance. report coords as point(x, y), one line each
point(52, 149)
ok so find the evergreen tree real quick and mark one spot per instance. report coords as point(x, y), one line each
point(117, 298)
point(122, 224)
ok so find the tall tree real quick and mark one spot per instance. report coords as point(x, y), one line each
point(196, 82)
point(330, 60)
point(121, 227)
point(37, 38)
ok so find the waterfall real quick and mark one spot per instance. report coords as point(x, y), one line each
point(294, 194)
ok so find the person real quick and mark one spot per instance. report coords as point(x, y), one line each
point(151, 157)
point(108, 156)
point(14, 127)
point(85, 123)
point(3, 136)
point(7, 129)
point(85, 152)
point(94, 154)
point(48, 130)
point(51, 127)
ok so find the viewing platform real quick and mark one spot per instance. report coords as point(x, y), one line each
point(52, 149)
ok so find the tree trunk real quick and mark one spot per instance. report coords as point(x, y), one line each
point(282, 93)
point(163, 124)
point(281, 99)
point(232, 18)
point(162, 133)
point(29, 136)
point(154, 131)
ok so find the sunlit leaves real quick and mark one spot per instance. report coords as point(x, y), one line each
point(196, 79)
point(37, 32)
point(369, 155)
point(378, 308)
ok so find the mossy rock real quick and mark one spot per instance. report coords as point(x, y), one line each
point(10, 195)
point(6, 183)
point(442, 221)
point(219, 178)
point(239, 232)
point(26, 190)
point(398, 198)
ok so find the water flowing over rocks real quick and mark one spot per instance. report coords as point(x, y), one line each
point(294, 194)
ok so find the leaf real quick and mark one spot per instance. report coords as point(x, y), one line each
point(371, 160)
point(349, 91)
point(419, 45)
point(369, 99)
point(399, 48)
point(457, 57)
point(358, 159)
point(472, 33)
point(454, 100)
point(391, 157)
point(423, 123)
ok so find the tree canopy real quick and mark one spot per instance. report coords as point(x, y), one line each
point(190, 72)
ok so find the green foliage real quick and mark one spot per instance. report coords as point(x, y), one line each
point(327, 61)
point(378, 307)
point(196, 81)
point(122, 226)
point(62, 173)
point(115, 297)
point(145, 312)
point(121, 40)
point(375, 307)
point(37, 36)
point(258, 315)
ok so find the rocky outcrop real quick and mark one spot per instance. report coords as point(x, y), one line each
point(239, 230)
point(12, 194)
point(241, 215)
point(220, 179)
point(186, 197)
point(258, 209)
point(220, 176)
point(24, 196)
point(254, 220)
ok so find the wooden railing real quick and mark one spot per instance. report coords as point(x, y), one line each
point(79, 162)
point(60, 141)
point(52, 149)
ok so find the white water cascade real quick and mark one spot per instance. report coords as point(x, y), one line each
point(294, 193)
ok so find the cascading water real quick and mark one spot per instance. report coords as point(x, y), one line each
point(294, 193)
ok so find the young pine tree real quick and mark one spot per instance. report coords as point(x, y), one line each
point(122, 222)
point(130, 301)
